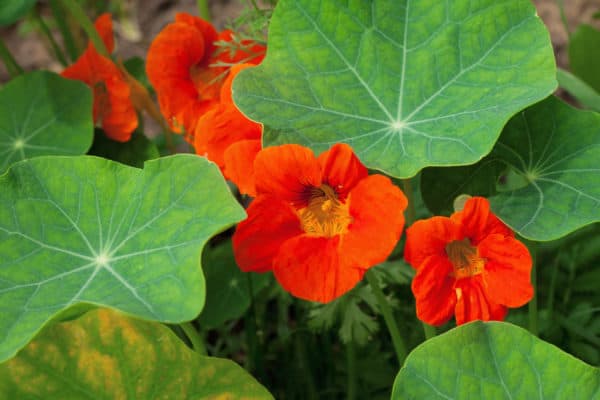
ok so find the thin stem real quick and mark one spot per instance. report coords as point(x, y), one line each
point(429, 331)
point(533, 304)
point(63, 27)
point(552, 290)
point(203, 9)
point(386, 310)
point(46, 31)
point(563, 17)
point(88, 26)
point(351, 360)
point(12, 67)
point(195, 338)
point(408, 192)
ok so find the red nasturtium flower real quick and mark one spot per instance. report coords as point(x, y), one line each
point(187, 69)
point(113, 108)
point(318, 223)
point(469, 265)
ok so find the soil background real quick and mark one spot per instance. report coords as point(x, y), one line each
point(150, 16)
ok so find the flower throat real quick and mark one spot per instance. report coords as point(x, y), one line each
point(325, 215)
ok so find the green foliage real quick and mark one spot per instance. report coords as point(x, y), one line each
point(493, 360)
point(584, 93)
point(133, 152)
point(105, 355)
point(541, 177)
point(432, 85)
point(105, 234)
point(584, 55)
point(44, 114)
point(12, 10)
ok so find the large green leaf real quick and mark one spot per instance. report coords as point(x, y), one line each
point(408, 83)
point(584, 55)
point(493, 360)
point(44, 114)
point(89, 230)
point(104, 355)
point(12, 10)
point(541, 177)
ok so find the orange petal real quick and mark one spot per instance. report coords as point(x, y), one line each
point(258, 239)
point(206, 29)
point(103, 25)
point(473, 304)
point(239, 165)
point(311, 268)
point(477, 221)
point(377, 212)
point(342, 170)
point(248, 51)
point(221, 127)
point(433, 288)
point(287, 172)
point(429, 237)
point(507, 270)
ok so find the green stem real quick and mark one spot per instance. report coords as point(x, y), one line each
point(552, 290)
point(88, 26)
point(192, 333)
point(408, 192)
point(203, 9)
point(429, 331)
point(386, 310)
point(63, 27)
point(12, 67)
point(533, 304)
point(563, 17)
point(351, 359)
point(46, 31)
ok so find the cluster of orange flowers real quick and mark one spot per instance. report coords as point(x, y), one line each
point(317, 222)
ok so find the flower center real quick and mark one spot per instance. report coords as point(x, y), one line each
point(464, 258)
point(325, 215)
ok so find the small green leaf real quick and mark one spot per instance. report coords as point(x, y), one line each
point(105, 355)
point(493, 360)
point(89, 230)
point(44, 114)
point(227, 287)
point(12, 10)
point(584, 94)
point(541, 177)
point(407, 83)
point(133, 152)
point(584, 55)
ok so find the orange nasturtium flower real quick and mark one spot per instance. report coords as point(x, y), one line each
point(113, 108)
point(318, 223)
point(187, 69)
point(469, 265)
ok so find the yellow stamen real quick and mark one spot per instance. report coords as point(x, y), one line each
point(325, 215)
point(464, 258)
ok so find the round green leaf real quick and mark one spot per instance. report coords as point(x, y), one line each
point(493, 360)
point(541, 177)
point(104, 355)
point(89, 230)
point(12, 10)
point(407, 83)
point(44, 114)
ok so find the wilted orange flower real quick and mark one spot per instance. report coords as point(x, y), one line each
point(113, 108)
point(469, 265)
point(318, 223)
point(187, 70)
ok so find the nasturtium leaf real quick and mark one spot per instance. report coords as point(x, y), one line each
point(12, 10)
point(133, 152)
point(228, 293)
point(584, 55)
point(44, 114)
point(89, 230)
point(541, 177)
point(407, 83)
point(104, 355)
point(493, 360)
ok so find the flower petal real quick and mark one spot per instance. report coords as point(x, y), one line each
point(377, 212)
point(207, 31)
point(507, 270)
point(433, 287)
point(246, 51)
point(311, 268)
point(258, 238)
point(219, 128)
point(287, 172)
point(103, 25)
point(342, 170)
point(477, 221)
point(239, 165)
point(473, 304)
point(429, 237)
